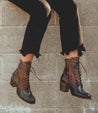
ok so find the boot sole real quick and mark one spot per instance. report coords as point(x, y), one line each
point(81, 97)
point(14, 84)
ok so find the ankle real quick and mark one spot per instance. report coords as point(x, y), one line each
point(72, 54)
point(26, 60)
point(72, 57)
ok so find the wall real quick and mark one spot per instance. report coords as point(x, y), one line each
point(49, 99)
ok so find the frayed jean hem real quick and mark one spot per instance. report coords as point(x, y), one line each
point(80, 49)
point(24, 53)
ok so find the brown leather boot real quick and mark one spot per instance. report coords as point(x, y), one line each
point(20, 79)
point(71, 79)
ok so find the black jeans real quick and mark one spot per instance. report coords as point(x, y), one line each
point(70, 31)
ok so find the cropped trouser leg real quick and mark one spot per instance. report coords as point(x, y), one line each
point(40, 14)
point(36, 27)
point(71, 37)
point(33, 35)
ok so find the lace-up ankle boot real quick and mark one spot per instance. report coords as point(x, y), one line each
point(71, 79)
point(20, 79)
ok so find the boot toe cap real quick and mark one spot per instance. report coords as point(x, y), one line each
point(27, 96)
point(88, 95)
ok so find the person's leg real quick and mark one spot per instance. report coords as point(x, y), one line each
point(40, 14)
point(77, 52)
point(71, 37)
point(29, 57)
point(72, 46)
point(39, 17)
point(71, 54)
point(33, 35)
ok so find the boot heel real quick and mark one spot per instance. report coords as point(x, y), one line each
point(12, 82)
point(64, 87)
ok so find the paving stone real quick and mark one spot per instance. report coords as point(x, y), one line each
point(92, 111)
point(51, 42)
point(13, 12)
point(91, 66)
point(91, 106)
point(88, 12)
point(0, 13)
point(11, 39)
point(1, 66)
point(90, 38)
point(72, 110)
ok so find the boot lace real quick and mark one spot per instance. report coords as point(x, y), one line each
point(25, 79)
point(78, 75)
point(83, 68)
point(34, 72)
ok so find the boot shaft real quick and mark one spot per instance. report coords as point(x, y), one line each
point(22, 74)
point(73, 71)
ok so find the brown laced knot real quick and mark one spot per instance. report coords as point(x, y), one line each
point(27, 70)
point(35, 73)
point(77, 73)
point(25, 79)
